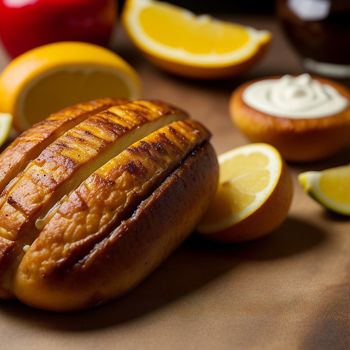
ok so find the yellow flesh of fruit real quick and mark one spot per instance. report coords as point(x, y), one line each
point(46, 79)
point(197, 35)
point(335, 184)
point(5, 126)
point(68, 87)
point(241, 178)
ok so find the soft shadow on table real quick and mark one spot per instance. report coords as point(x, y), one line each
point(197, 263)
point(339, 159)
point(329, 215)
point(294, 236)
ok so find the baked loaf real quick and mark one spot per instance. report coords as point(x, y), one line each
point(299, 140)
point(95, 197)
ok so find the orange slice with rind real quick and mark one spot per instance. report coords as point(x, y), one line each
point(5, 127)
point(51, 77)
point(330, 188)
point(254, 195)
point(196, 46)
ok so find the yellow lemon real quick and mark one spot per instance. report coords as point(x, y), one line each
point(51, 77)
point(189, 45)
point(5, 127)
point(254, 194)
point(330, 187)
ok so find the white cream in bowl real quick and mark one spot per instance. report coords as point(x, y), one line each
point(291, 97)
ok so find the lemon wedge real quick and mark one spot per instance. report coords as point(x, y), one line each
point(330, 187)
point(51, 77)
point(253, 197)
point(195, 46)
point(5, 127)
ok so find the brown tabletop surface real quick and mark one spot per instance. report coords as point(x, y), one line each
point(290, 290)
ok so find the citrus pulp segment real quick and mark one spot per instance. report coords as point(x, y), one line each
point(54, 76)
point(190, 45)
point(5, 126)
point(253, 196)
point(330, 187)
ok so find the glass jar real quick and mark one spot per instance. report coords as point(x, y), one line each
point(320, 31)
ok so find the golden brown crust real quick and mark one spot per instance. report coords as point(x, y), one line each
point(108, 196)
point(134, 249)
point(118, 191)
point(297, 139)
point(44, 180)
point(69, 160)
point(30, 143)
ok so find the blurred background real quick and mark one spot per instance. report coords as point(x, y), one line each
point(318, 31)
point(225, 6)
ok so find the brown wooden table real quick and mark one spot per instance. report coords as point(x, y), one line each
point(287, 291)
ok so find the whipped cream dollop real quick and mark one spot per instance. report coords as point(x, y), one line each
point(298, 97)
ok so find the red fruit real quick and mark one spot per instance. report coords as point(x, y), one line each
point(25, 24)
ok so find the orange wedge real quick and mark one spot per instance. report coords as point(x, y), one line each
point(330, 187)
point(51, 77)
point(254, 195)
point(5, 127)
point(189, 45)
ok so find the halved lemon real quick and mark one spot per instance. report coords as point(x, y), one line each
point(254, 194)
point(54, 76)
point(5, 127)
point(330, 187)
point(189, 45)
